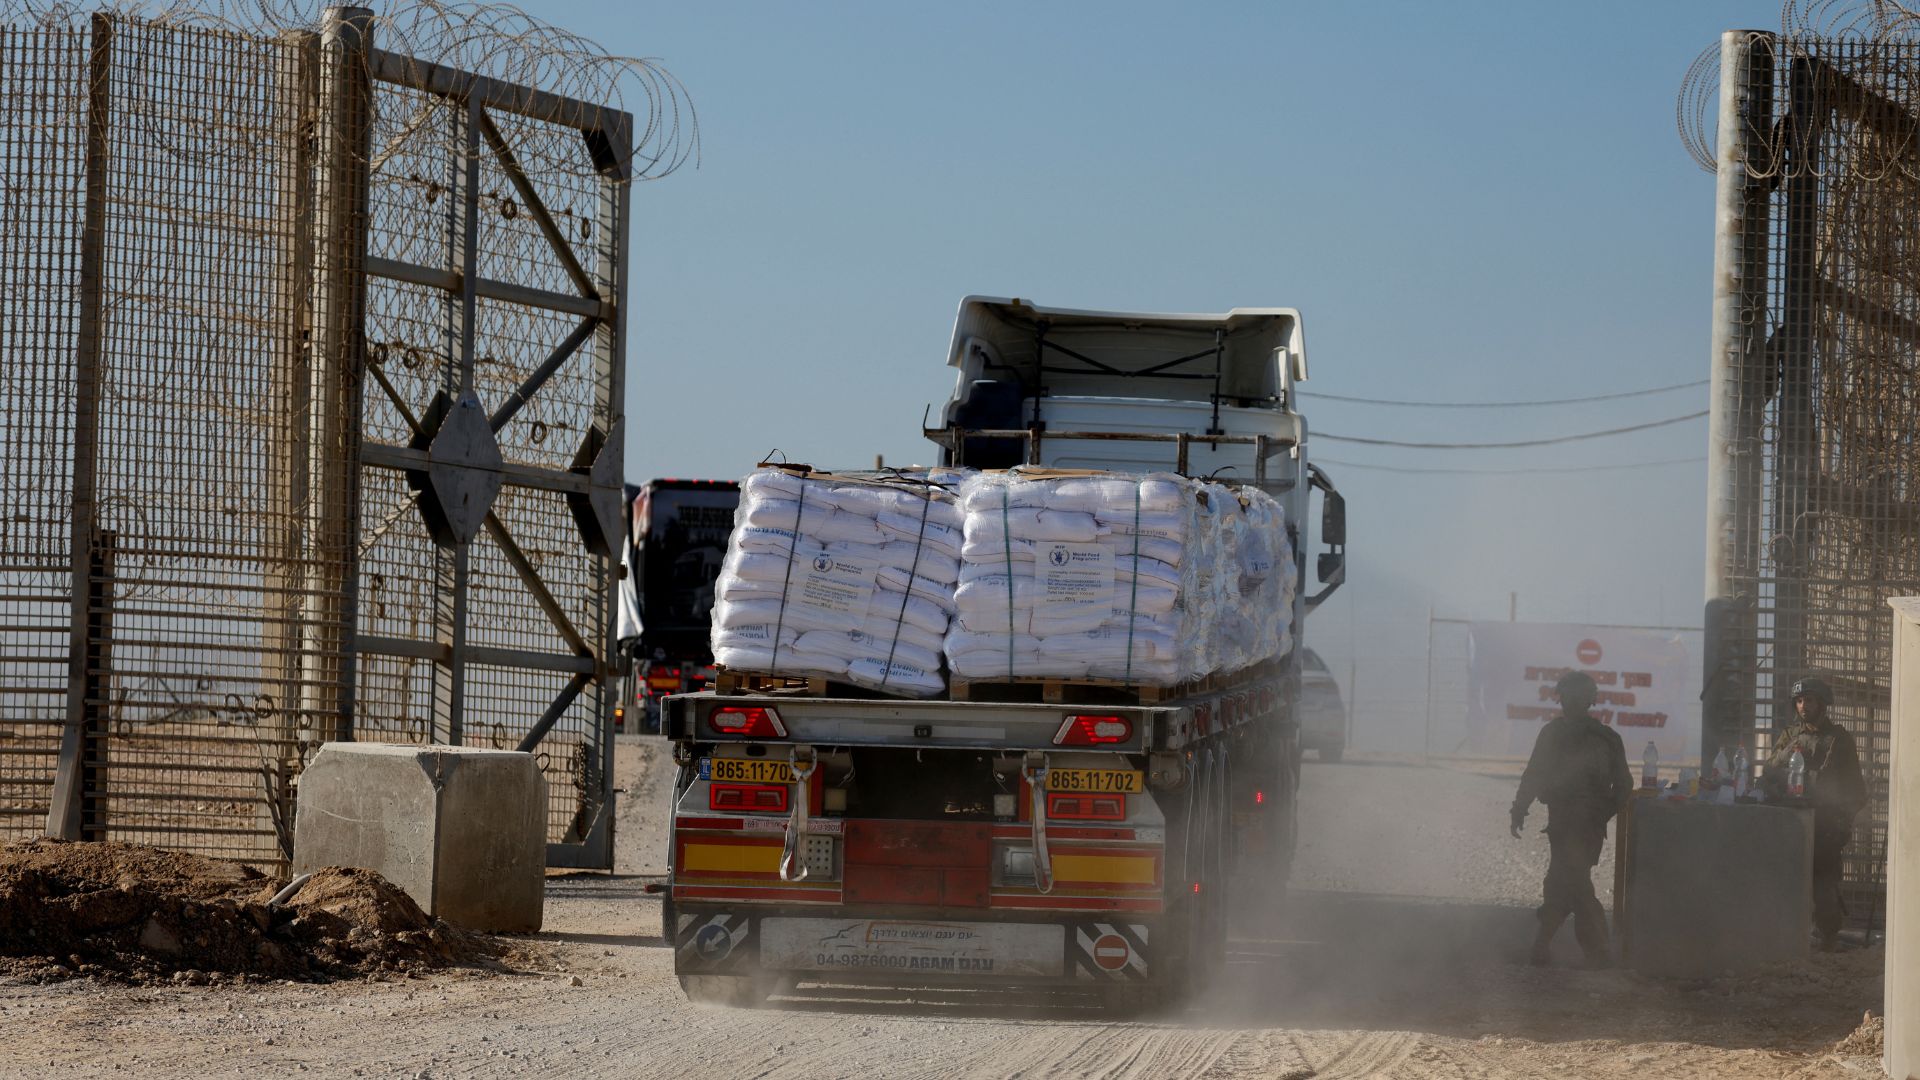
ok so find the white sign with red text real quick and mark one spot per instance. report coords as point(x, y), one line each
point(1648, 686)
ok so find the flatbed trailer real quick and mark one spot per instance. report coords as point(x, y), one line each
point(1080, 846)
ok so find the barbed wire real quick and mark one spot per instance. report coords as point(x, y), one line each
point(498, 41)
point(1853, 35)
point(1697, 108)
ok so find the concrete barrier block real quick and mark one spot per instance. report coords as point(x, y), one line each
point(461, 829)
point(1715, 889)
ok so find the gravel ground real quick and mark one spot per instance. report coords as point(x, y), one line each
point(1394, 956)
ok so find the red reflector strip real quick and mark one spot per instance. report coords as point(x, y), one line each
point(741, 798)
point(1086, 807)
point(754, 721)
point(1093, 731)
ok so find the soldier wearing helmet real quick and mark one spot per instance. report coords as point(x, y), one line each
point(1579, 770)
point(1835, 787)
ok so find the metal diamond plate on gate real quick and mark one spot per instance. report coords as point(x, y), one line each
point(463, 477)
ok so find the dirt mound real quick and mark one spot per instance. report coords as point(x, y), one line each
point(142, 915)
point(1867, 1040)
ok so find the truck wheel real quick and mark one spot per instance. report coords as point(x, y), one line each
point(1221, 845)
point(733, 991)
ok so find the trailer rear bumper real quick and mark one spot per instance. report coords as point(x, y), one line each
point(1086, 950)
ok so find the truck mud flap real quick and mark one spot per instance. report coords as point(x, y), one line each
point(713, 944)
point(1112, 952)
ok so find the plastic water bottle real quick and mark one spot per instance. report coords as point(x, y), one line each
point(1796, 774)
point(1720, 767)
point(1650, 766)
point(1742, 772)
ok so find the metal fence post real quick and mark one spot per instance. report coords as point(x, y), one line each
point(290, 427)
point(92, 796)
point(343, 149)
point(64, 817)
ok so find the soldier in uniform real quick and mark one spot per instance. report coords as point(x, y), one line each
point(1579, 770)
point(1835, 787)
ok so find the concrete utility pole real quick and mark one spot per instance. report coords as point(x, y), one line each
point(1734, 451)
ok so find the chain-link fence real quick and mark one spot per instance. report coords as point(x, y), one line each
point(310, 385)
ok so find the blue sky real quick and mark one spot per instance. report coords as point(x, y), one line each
point(1466, 201)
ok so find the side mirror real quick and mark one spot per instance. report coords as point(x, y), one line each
point(1297, 366)
point(1333, 520)
point(1331, 565)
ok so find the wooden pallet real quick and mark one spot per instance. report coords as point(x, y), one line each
point(1100, 691)
point(1071, 691)
point(729, 683)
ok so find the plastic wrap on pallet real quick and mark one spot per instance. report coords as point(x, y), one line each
point(1252, 578)
point(1148, 580)
point(844, 578)
point(1075, 576)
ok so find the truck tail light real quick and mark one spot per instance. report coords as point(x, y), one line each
point(1086, 807)
point(752, 721)
point(1093, 731)
point(748, 798)
point(619, 718)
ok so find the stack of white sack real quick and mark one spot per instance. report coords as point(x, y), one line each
point(845, 578)
point(1071, 576)
point(1250, 581)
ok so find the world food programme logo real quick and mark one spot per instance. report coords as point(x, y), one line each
point(1058, 556)
point(823, 563)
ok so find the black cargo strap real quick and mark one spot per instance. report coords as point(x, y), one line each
point(793, 547)
point(1006, 545)
point(919, 543)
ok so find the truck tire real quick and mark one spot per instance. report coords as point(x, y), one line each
point(732, 991)
point(1216, 888)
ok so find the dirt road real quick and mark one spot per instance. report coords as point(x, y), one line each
point(1396, 958)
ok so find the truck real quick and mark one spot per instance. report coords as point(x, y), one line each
point(1084, 838)
point(676, 538)
point(1323, 715)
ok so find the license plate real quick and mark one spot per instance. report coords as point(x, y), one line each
point(1097, 781)
point(931, 949)
point(746, 770)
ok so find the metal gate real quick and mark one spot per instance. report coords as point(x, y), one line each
point(1814, 483)
point(490, 501)
point(310, 385)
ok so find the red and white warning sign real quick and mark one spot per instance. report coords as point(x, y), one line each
point(1111, 952)
point(1648, 683)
